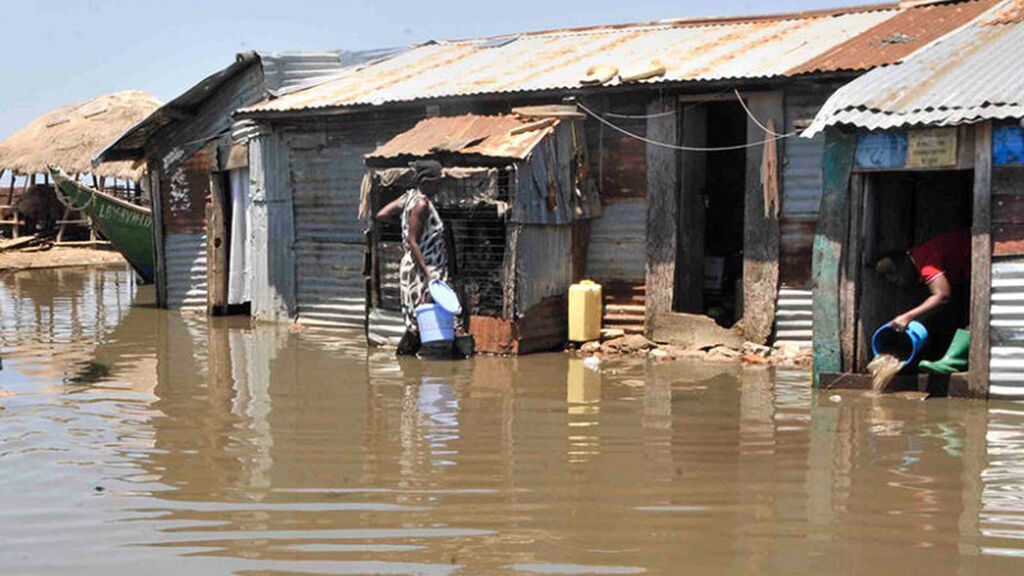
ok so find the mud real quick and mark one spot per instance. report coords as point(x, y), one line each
point(883, 368)
point(57, 258)
point(136, 439)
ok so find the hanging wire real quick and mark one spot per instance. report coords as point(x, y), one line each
point(756, 121)
point(625, 132)
point(638, 116)
point(773, 135)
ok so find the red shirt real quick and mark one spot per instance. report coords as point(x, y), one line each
point(947, 254)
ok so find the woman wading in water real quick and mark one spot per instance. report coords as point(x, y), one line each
point(425, 256)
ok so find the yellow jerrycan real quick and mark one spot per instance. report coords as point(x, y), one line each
point(584, 311)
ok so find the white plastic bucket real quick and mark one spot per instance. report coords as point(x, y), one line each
point(436, 324)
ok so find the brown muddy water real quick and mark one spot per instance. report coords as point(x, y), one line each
point(133, 440)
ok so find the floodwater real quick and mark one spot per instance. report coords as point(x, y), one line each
point(133, 440)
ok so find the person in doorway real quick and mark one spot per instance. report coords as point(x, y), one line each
point(943, 265)
point(425, 257)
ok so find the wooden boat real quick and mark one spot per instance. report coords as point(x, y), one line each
point(128, 227)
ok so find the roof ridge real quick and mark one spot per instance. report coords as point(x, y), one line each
point(694, 21)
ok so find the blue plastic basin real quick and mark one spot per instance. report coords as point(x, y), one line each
point(905, 345)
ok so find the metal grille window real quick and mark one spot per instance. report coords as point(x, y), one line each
point(478, 255)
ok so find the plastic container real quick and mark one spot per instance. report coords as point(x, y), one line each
point(905, 345)
point(436, 323)
point(445, 295)
point(584, 311)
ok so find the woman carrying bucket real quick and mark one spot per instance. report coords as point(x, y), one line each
point(425, 257)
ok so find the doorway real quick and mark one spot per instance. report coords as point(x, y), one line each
point(228, 252)
point(898, 211)
point(709, 255)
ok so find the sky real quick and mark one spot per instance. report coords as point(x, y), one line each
point(55, 52)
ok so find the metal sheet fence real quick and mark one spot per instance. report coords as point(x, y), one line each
point(1006, 371)
point(618, 243)
point(186, 270)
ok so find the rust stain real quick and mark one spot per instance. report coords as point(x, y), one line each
point(1012, 14)
point(394, 76)
point(896, 38)
point(469, 135)
point(548, 60)
point(494, 335)
point(752, 42)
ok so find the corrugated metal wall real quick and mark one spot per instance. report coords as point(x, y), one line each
point(543, 264)
point(1006, 373)
point(801, 190)
point(290, 70)
point(329, 283)
point(794, 317)
point(273, 231)
point(183, 151)
point(327, 168)
point(328, 234)
point(618, 243)
point(186, 270)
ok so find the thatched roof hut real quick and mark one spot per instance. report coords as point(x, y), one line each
point(71, 135)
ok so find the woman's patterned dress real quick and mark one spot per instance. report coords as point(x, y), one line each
point(412, 282)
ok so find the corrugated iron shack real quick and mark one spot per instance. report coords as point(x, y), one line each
point(199, 161)
point(931, 144)
point(708, 204)
point(515, 189)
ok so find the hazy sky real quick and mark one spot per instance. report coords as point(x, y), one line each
point(54, 52)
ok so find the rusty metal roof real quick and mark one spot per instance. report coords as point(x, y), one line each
point(689, 50)
point(896, 38)
point(975, 73)
point(469, 135)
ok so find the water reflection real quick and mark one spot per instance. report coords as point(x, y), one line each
point(216, 446)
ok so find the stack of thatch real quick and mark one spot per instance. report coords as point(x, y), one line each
point(71, 135)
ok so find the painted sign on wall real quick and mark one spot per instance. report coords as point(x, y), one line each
point(931, 148)
point(882, 150)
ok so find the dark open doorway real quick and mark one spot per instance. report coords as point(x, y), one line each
point(709, 257)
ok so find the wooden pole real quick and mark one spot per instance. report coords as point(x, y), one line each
point(761, 235)
point(981, 263)
point(217, 242)
point(10, 191)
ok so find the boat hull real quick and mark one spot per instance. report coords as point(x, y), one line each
point(128, 227)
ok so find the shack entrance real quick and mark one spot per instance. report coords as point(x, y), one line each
point(897, 211)
point(228, 250)
point(710, 227)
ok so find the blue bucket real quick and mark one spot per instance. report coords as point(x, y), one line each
point(436, 323)
point(905, 345)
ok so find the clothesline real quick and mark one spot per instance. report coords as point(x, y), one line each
point(773, 136)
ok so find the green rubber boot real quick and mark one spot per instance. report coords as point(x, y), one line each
point(955, 359)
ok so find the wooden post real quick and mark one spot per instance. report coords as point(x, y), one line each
point(217, 243)
point(850, 277)
point(662, 190)
point(689, 289)
point(981, 262)
point(760, 227)
point(833, 218)
point(160, 256)
point(10, 190)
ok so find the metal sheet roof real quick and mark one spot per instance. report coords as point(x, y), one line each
point(689, 50)
point(897, 37)
point(469, 135)
point(282, 73)
point(704, 50)
point(973, 74)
